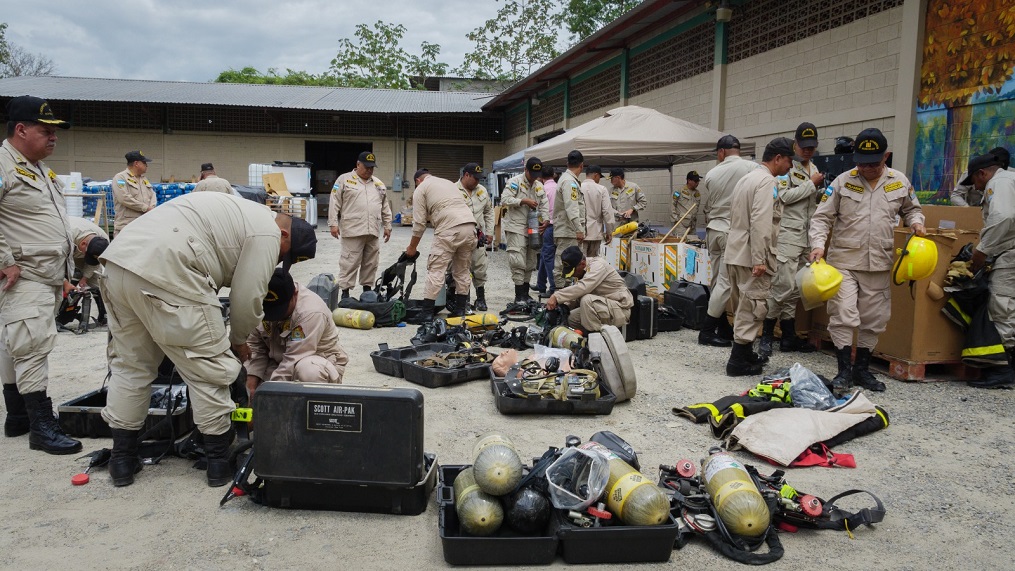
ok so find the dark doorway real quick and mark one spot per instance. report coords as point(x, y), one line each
point(331, 159)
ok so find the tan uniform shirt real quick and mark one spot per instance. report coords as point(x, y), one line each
point(754, 221)
point(132, 197)
point(81, 228)
point(34, 231)
point(516, 216)
point(213, 183)
point(799, 202)
point(359, 207)
point(309, 331)
point(198, 243)
point(861, 219)
point(683, 200)
point(628, 198)
point(569, 214)
point(600, 279)
point(440, 202)
point(600, 219)
point(482, 207)
point(997, 238)
point(717, 190)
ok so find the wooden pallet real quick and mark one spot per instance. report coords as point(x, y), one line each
point(905, 369)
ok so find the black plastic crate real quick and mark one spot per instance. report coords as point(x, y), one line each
point(354, 496)
point(509, 404)
point(389, 361)
point(80, 417)
point(506, 547)
point(615, 543)
point(434, 377)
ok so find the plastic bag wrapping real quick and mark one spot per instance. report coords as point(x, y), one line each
point(541, 353)
point(807, 390)
point(577, 479)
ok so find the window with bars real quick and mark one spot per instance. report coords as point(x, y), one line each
point(595, 92)
point(549, 111)
point(514, 122)
point(686, 55)
point(456, 128)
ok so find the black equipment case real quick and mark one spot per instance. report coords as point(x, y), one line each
point(642, 324)
point(325, 286)
point(691, 299)
point(337, 447)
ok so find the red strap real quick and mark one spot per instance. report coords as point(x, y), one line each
point(826, 459)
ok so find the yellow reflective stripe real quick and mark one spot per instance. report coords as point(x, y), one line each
point(965, 317)
point(981, 351)
point(738, 409)
point(884, 418)
point(710, 407)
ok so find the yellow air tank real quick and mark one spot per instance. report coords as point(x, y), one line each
point(630, 495)
point(479, 513)
point(353, 318)
point(476, 322)
point(563, 337)
point(736, 498)
point(496, 464)
point(626, 229)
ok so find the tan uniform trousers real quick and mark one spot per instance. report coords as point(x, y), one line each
point(785, 294)
point(147, 322)
point(561, 244)
point(594, 311)
point(452, 247)
point(311, 369)
point(1001, 305)
point(864, 301)
point(719, 287)
point(750, 295)
point(28, 316)
point(359, 255)
point(521, 258)
point(592, 248)
point(480, 259)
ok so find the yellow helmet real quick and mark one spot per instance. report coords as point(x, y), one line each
point(916, 260)
point(818, 283)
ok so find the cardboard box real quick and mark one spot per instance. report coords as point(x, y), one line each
point(656, 261)
point(693, 264)
point(618, 253)
point(274, 183)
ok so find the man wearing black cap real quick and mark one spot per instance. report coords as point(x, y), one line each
point(296, 340)
point(799, 199)
point(481, 203)
point(860, 215)
point(997, 240)
point(599, 217)
point(31, 213)
point(211, 182)
point(133, 195)
point(716, 197)
point(568, 212)
point(685, 206)
point(966, 194)
point(523, 195)
point(627, 197)
point(359, 213)
point(755, 212)
point(598, 297)
point(162, 280)
point(89, 242)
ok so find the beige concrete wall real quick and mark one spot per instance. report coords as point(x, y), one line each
point(690, 99)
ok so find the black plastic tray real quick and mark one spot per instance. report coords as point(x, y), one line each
point(389, 361)
point(614, 544)
point(434, 377)
point(80, 417)
point(504, 548)
point(509, 404)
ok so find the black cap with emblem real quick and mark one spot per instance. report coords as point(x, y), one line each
point(534, 165)
point(302, 243)
point(976, 164)
point(569, 260)
point(96, 246)
point(693, 175)
point(806, 135)
point(368, 159)
point(870, 147)
point(281, 289)
point(135, 156)
point(28, 109)
point(473, 168)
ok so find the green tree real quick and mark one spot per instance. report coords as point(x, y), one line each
point(272, 77)
point(375, 59)
point(16, 61)
point(586, 17)
point(515, 42)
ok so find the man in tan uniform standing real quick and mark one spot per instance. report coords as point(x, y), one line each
point(750, 251)
point(358, 213)
point(441, 203)
point(685, 206)
point(482, 210)
point(599, 297)
point(202, 242)
point(133, 195)
point(35, 257)
point(860, 215)
point(599, 217)
point(627, 198)
point(716, 196)
point(799, 199)
point(210, 182)
point(524, 194)
point(296, 340)
point(568, 212)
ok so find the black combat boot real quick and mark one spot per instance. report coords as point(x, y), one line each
point(767, 338)
point(725, 329)
point(995, 378)
point(707, 335)
point(216, 449)
point(124, 462)
point(522, 293)
point(425, 311)
point(345, 294)
point(481, 298)
point(740, 364)
point(790, 342)
point(862, 375)
point(844, 377)
point(16, 423)
point(44, 431)
point(461, 305)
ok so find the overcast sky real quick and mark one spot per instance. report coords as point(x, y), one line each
point(188, 40)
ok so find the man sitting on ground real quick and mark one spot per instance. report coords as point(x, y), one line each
point(599, 297)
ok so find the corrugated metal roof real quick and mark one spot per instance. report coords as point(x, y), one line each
point(244, 95)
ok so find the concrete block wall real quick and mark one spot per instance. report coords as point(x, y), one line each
point(690, 99)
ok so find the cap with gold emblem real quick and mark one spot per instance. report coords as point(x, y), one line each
point(806, 135)
point(134, 156)
point(368, 159)
point(871, 146)
point(280, 291)
point(33, 109)
point(473, 169)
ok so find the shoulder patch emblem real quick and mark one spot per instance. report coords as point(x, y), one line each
point(26, 173)
point(854, 172)
point(629, 190)
point(574, 193)
point(893, 186)
point(52, 175)
point(854, 187)
point(480, 193)
point(676, 194)
point(121, 182)
point(297, 334)
point(615, 194)
point(799, 175)
point(513, 186)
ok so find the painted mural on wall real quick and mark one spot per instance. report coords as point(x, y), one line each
point(966, 104)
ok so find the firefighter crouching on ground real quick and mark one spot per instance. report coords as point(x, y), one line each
point(297, 339)
point(522, 194)
point(358, 213)
point(482, 209)
point(599, 297)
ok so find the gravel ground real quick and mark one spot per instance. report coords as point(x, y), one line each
point(943, 470)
